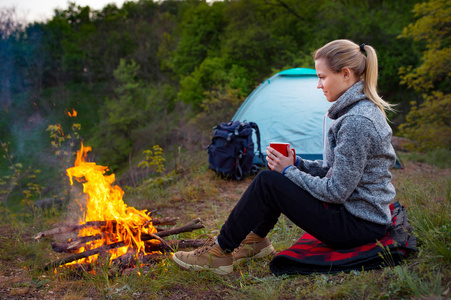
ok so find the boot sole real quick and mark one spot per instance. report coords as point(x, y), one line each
point(264, 252)
point(223, 270)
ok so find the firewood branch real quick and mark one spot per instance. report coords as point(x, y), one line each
point(73, 228)
point(84, 254)
point(195, 224)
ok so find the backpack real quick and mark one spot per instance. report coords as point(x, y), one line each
point(231, 152)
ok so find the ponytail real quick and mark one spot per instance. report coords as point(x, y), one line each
point(347, 54)
point(370, 77)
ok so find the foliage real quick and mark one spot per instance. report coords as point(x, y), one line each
point(10, 181)
point(58, 137)
point(201, 28)
point(213, 74)
point(432, 27)
point(23, 180)
point(154, 158)
point(218, 106)
point(181, 53)
point(122, 113)
point(32, 192)
point(427, 124)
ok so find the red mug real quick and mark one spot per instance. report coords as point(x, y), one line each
point(282, 149)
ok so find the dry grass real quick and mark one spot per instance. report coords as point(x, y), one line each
point(423, 189)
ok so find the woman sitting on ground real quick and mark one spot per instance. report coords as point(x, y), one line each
point(342, 200)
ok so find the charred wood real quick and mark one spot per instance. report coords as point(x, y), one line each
point(79, 242)
point(99, 224)
point(74, 244)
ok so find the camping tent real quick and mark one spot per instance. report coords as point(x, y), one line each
point(288, 108)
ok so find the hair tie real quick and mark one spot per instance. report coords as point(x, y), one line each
point(362, 48)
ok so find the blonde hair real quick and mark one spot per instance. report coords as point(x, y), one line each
point(341, 54)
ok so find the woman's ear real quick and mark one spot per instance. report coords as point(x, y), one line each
point(346, 73)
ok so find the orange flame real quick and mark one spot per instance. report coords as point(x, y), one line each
point(73, 114)
point(104, 203)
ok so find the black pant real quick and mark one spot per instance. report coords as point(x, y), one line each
point(271, 194)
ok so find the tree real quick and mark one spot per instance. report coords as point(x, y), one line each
point(121, 114)
point(201, 29)
point(213, 73)
point(428, 123)
point(434, 28)
point(9, 28)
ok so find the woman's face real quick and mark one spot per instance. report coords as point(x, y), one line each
point(333, 84)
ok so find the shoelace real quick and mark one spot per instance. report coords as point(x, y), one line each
point(239, 247)
point(207, 246)
point(243, 244)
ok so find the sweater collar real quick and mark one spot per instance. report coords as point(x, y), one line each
point(351, 96)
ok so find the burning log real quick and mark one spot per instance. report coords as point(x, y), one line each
point(68, 229)
point(76, 244)
point(120, 233)
point(99, 224)
point(126, 259)
point(84, 254)
point(70, 247)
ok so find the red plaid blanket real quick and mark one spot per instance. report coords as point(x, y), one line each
point(309, 255)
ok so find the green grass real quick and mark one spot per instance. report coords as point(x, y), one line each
point(197, 192)
point(439, 157)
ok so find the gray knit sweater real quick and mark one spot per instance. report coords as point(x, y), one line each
point(359, 156)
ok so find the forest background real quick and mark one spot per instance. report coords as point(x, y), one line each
point(125, 79)
point(144, 84)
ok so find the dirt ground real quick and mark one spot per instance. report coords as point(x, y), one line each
point(16, 282)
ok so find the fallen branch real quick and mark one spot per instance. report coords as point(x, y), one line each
point(84, 254)
point(73, 228)
point(76, 243)
point(67, 229)
point(165, 221)
point(162, 241)
point(195, 224)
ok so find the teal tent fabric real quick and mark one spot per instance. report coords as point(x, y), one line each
point(288, 108)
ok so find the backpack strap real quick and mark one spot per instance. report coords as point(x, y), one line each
point(239, 171)
point(230, 137)
point(257, 132)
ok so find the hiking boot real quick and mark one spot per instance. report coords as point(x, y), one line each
point(208, 257)
point(253, 246)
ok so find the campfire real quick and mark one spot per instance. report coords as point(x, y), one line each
point(110, 228)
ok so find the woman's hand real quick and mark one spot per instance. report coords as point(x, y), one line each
point(277, 161)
